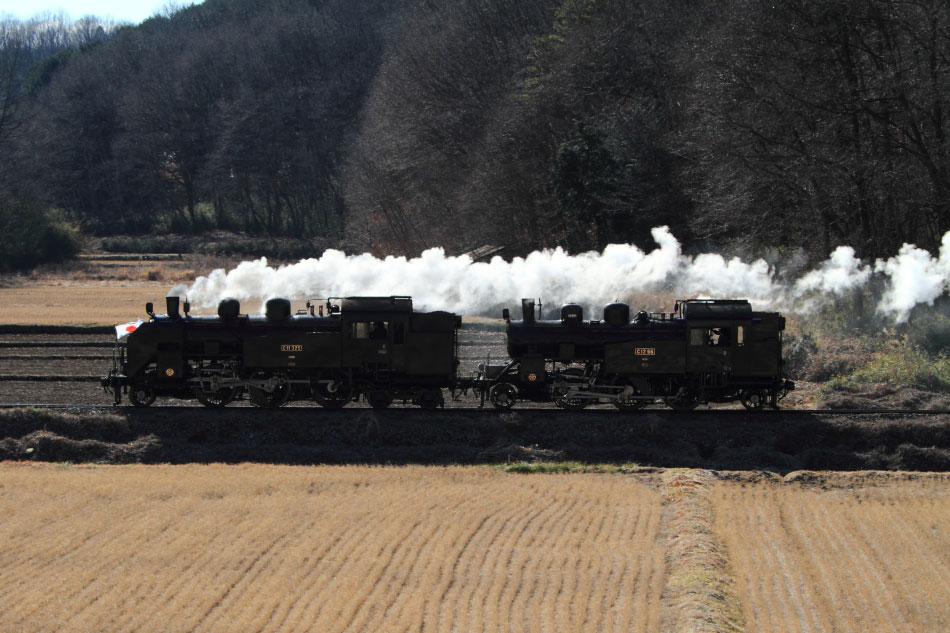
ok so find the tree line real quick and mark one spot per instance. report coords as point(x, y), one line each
point(397, 125)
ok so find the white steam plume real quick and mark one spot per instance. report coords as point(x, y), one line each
point(457, 284)
point(915, 277)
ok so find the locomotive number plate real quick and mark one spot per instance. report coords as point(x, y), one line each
point(646, 351)
point(291, 348)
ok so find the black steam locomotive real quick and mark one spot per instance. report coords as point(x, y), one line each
point(380, 349)
point(374, 347)
point(703, 351)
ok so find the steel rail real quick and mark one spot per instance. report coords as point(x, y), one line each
point(546, 410)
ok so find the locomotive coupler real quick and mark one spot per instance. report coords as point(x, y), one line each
point(113, 383)
point(779, 395)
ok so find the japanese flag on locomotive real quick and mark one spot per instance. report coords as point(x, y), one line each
point(121, 331)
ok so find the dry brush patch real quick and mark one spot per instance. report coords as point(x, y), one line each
point(264, 548)
point(839, 553)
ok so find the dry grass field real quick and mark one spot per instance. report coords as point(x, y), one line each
point(96, 292)
point(852, 559)
point(93, 303)
point(267, 548)
point(282, 548)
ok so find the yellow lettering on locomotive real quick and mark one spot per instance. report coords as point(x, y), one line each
point(291, 348)
point(645, 351)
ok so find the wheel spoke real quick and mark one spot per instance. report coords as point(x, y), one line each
point(503, 395)
point(332, 390)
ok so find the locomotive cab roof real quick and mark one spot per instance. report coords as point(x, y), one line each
point(377, 304)
point(713, 309)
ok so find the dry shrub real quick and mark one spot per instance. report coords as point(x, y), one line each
point(834, 363)
point(154, 273)
point(898, 365)
point(798, 351)
point(815, 353)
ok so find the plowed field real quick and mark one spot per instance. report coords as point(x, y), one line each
point(858, 559)
point(265, 548)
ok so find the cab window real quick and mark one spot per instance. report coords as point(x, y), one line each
point(368, 330)
point(711, 337)
point(697, 337)
point(722, 336)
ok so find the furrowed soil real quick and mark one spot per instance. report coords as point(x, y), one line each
point(353, 548)
point(842, 553)
point(264, 548)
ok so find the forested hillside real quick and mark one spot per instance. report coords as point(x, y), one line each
point(396, 125)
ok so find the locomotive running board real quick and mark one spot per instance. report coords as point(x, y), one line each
point(252, 382)
point(588, 394)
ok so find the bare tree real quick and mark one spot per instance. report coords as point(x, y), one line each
point(823, 123)
point(12, 54)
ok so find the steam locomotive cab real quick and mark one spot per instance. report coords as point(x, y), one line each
point(704, 351)
point(398, 354)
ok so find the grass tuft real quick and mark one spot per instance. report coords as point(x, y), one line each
point(902, 366)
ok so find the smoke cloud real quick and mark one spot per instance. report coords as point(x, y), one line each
point(457, 284)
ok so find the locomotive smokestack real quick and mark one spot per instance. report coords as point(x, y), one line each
point(527, 310)
point(171, 306)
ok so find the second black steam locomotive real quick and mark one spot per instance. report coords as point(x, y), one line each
point(380, 349)
point(703, 351)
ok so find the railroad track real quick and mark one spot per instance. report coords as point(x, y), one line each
point(552, 410)
point(46, 378)
point(55, 344)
